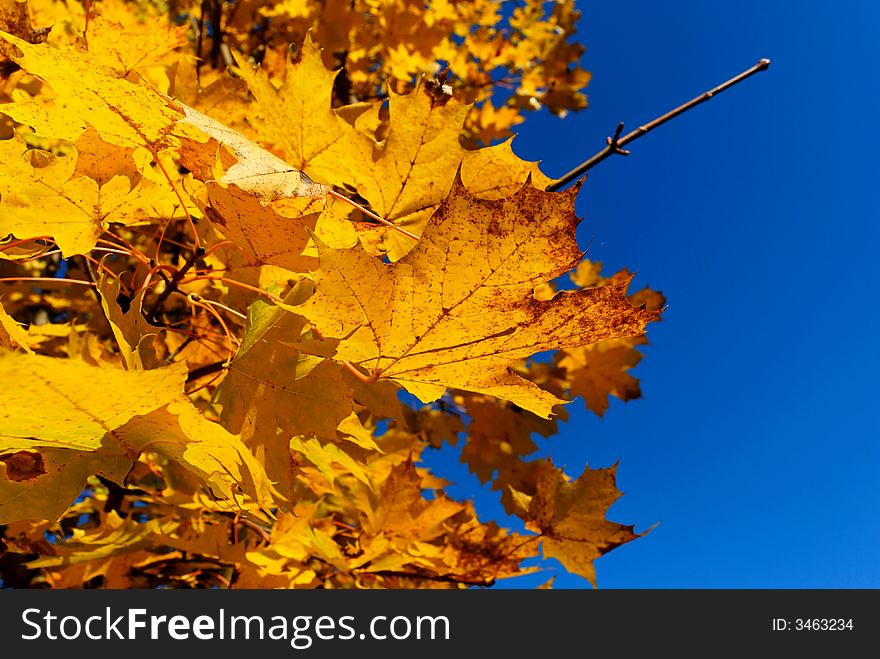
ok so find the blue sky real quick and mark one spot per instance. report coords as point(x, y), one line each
point(755, 446)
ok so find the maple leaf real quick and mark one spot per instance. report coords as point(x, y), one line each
point(88, 94)
point(16, 20)
point(260, 202)
point(402, 512)
point(115, 536)
point(275, 388)
point(65, 420)
point(12, 335)
point(601, 370)
point(128, 45)
point(60, 195)
point(134, 335)
point(327, 458)
point(40, 192)
point(57, 418)
point(401, 529)
point(498, 434)
point(404, 176)
point(478, 552)
point(598, 371)
point(297, 116)
point(458, 309)
point(495, 172)
point(407, 176)
point(570, 516)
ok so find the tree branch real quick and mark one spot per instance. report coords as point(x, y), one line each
point(197, 253)
point(616, 143)
point(207, 369)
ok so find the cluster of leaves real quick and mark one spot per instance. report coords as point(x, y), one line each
point(218, 279)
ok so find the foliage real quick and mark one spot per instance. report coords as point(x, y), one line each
point(245, 285)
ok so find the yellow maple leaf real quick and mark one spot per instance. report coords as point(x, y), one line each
point(601, 370)
point(327, 458)
point(498, 434)
point(88, 94)
point(40, 194)
point(127, 44)
point(411, 171)
point(218, 458)
point(260, 202)
point(405, 175)
point(275, 389)
point(402, 512)
point(298, 119)
point(570, 516)
point(115, 536)
point(483, 553)
point(134, 335)
point(56, 427)
point(495, 172)
point(458, 309)
point(12, 335)
point(65, 420)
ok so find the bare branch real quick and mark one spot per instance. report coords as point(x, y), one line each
point(616, 143)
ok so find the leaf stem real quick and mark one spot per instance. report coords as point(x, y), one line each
point(189, 219)
point(233, 282)
point(371, 214)
point(360, 376)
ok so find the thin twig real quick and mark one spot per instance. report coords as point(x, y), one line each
point(189, 219)
point(197, 253)
point(616, 143)
point(233, 282)
point(207, 369)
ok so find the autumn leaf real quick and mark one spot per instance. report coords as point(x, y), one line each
point(405, 174)
point(12, 335)
point(297, 116)
point(411, 171)
point(275, 389)
point(495, 172)
point(601, 370)
point(16, 20)
point(88, 94)
point(135, 45)
point(598, 371)
point(57, 428)
point(134, 335)
point(329, 459)
point(260, 202)
point(498, 435)
point(41, 193)
point(64, 420)
point(218, 458)
point(116, 536)
point(458, 309)
point(570, 516)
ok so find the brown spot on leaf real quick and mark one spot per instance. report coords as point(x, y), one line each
point(23, 465)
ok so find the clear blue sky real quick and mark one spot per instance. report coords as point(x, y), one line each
point(756, 445)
